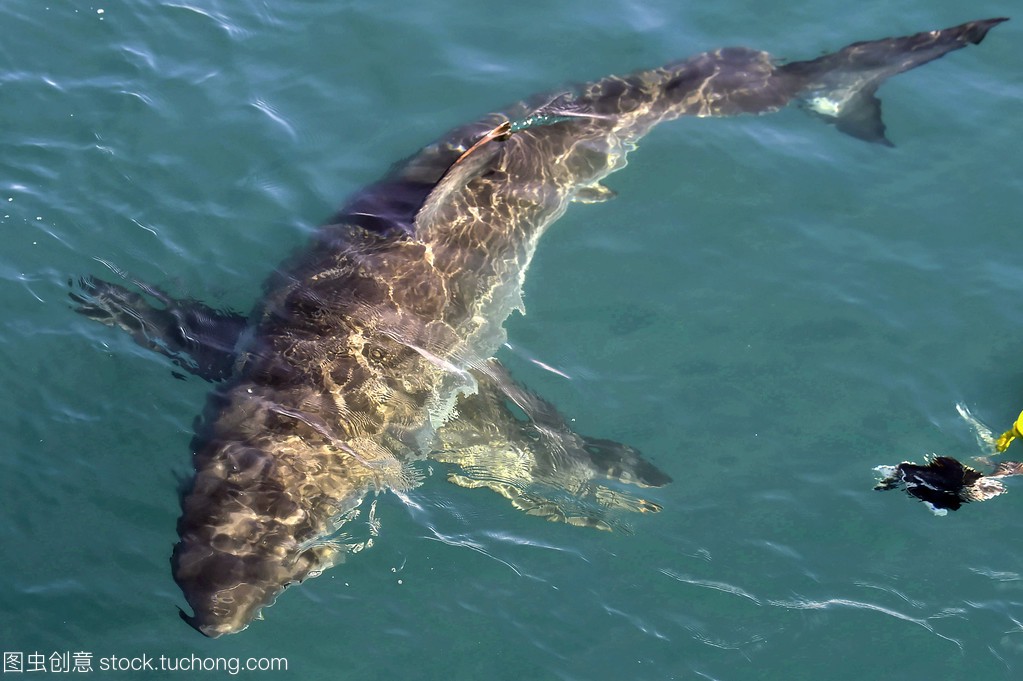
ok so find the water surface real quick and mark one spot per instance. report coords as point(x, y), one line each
point(767, 311)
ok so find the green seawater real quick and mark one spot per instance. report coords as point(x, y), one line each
point(768, 310)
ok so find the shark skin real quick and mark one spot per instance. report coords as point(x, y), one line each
point(372, 348)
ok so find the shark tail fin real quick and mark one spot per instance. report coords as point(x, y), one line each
point(841, 87)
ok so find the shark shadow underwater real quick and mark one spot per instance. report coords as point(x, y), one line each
point(372, 348)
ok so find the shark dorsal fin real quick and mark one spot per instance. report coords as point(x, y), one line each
point(471, 164)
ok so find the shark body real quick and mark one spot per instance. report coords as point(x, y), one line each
point(372, 348)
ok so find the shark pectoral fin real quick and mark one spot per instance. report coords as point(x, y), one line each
point(550, 442)
point(196, 337)
point(594, 193)
point(585, 505)
point(114, 305)
point(623, 463)
point(534, 504)
point(539, 464)
point(612, 498)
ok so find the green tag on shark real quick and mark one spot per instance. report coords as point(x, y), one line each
point(537, 120)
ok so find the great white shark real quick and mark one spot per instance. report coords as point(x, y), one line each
point(372, 348)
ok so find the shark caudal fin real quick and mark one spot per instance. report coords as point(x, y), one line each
point(840, 87)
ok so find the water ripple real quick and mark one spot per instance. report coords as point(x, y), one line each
point(219, 19)
point(997, 575)
point(274, 116)
point(708, 584)
point(809, 604)
point(463, 541)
